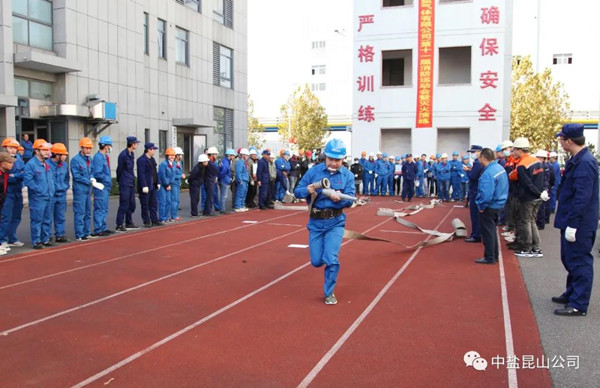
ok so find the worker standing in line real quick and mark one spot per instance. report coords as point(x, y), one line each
point(60, 169)
point(242, 177)
point(147, 185)
point(176, 189)
point(6, 164)
point(13, 201)
point(126, 181)
point(211, 174)
point(166, 176)
point(81, 171)
point(101, 173)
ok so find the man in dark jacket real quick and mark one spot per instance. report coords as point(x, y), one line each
point(577, 219)
point(264, 179)
point(409, 173)
point(196, 181)
point(147, 185)
point(126, 180)
point(211, 174)
point(357, 169)
point(473, 173)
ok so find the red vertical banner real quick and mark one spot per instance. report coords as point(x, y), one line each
point(425, 64)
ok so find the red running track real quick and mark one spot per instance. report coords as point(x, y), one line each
point(227, 303)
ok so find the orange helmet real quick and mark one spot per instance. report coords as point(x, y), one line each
point(40, 144)
point(281, 152)
point(7, 141)
point(59, 148)
point(86, 142)
point(364, 153)
point(170, 152)
point(20, 148)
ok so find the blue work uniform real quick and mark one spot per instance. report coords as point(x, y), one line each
point(126, 180)
point(325, 235)
point(464, 181)
point(455, 171)
point(147, 177)
point(369, 172)
point(578, 209)
point(165, 180)
point(555, 167)
point(81, 171)
point(473, 175)
point(176, 190)
point(420, 178)
point(224, 182)
point(40, 190)
point(101, 172)
point(13, 202)
point(195, 181)
point(365, 177)
point(281, 185)
point(242, 178)
point(28, 147)
point(443, 175)
point(59, 200)
point(211, 174)
point(409, 173)
point(263, 176)
point(381, 171)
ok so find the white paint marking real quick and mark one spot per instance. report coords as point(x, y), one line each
point(297, 246)
point(276, 224)
point(400, 231)
point(249, 222)
point(459, 206)
point(340, 342)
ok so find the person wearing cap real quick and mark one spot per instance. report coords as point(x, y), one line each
point(511, 207)
point(273, 176)
point(391, 165)
point(20, 151)
point(455, 171)
point(327, 219)
point(380, 173)
point(147, 185)
point(464, 178)
point(28, 147)
point(283, 169)
point(195, 181)
point(211, 174)
point(252, 194)
point(577, 219)
point(500, 157)
point(40, 190)
point(224, 180)
point(294, 171)
point(178, 176)
point(409, 173)
point(529, 177)
point(369, 171)
point(13, 202)
point(60, 170)
point(492, 192)
point(555, 167)
point(543, 214)
point(356, 168)
point(473, 173)
point(429, 172)
point(165, 181)
point(101, 172)
point(443, 175)
point(6, 164)
point(242, 177)
point(264, 181)
point(420, 180)
point(363, 162)
point(81, 171)
point(397, 186)
point(126, 181)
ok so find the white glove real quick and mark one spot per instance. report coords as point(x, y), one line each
point(145, 190)
point(251, 183)
point(187, 182)
point(570, 234)
point(356, 175)
point(97, 185)
point(545, 197)
point(157, 187)
point(376, 175)
point(93, 180)
point(417, 183)
point(370, 172)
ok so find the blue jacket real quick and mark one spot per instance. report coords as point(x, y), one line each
point(409, 171)
point(282, 165)
point(464, 177)
point(166, 174)
point(492, 191)
point(442, 171)
point(125, 163)
point(342, 180)
point(211, 173)
point(381, 167)
point(146, 173)
point(81, 170)
point(556, 169)
point(177, 174)
point(16, 175)
point(455, 169)
point(101, 170)
point(391, 168)
point(369, 166)
point(61, 176)
point(473, 175)
point(262, 172)
point(241, 171)
point(38, 179)
point(28, 146)
point(578, 201)
point(420, 169)
point(225, 171)
point(363, 162)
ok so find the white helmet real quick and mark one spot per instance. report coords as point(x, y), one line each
point(521, 142)
point(253, 152)
point(541, 154)
point(202, 158)
point(178, 151)
point(553, 154)
point(391, 157)
point(371, 155)
point(444, 155)
point(506, 144)
point(379, 153)
point(244, 151)
point(212, 150)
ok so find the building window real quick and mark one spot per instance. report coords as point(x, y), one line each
point(182, 47)
point(320, 87)
point(146, 36)
point(196, 5)
point(146, 135)
point(396, 68)
point(317, 44)
point(455, 65)
point(318, 69)
point(562, 59)
point(224, 12)
point(162, 141)
point(37, 90)
point(162, 39)
point(222, 66)
point(396, 3)
point(223, 132)
point(32, 23)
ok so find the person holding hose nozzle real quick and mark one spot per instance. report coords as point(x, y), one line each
point(327, 218)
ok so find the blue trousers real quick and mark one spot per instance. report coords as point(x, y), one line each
point(175, 190)
point(578, 261)
point(553, 198)
point(223, 192)
point(456, 189)
point(474, 213)
point(210, 198)
point(126, 205)
point(263, 194)
point(149, 206)
point(408, 188)
point(390, 184)
point(100, 210)
point(325, 240)
point(240, 194)
point(40, 210)
point(443, 189)
point(194, 199)
point(164, 203)
point(82, 213)
point(381, 185)
point(464, 188)
point(11, 216)
point(59, 210)
point(419, 190)
point(371, 189)
point(365, 183)
point(280, 187)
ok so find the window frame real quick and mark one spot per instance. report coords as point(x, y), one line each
point(146, 33)
point(29, 19)
point(29, 88)
point(186, 42)
point(222, 81)
point(162, 39)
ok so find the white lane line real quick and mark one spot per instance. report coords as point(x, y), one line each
point(112, 296)
point(510, 347)
point(128, 255)
point(276, 224)
point(297, 246)
point(139, 354)
point(401, 231)
point(340, 342)
point(249, 222)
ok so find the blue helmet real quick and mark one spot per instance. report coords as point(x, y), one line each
point(335, 149)
point(499, 148)
point(384, 155)
point(398, 158)
point(107, 140)
point(230, 151)
point(465, 156)
point(438, 155)
point(455, 153)
point(287, 152)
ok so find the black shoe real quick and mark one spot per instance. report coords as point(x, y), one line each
point(270, 207)
point(560, 299)
point(485, 261)
point(121, 228)
point(472, 240)
point(569, 311)
point(109, 232)
point(96, 235)
point(131, 227)
point(92, 236)
point(262, 207)
point(84, 238)
point(61, 239)
point(147, 224)
point(48, 244)
point(38, 246)
point(158, 223)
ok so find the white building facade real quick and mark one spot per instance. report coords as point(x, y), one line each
point(171, 72)
point(431, 75)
